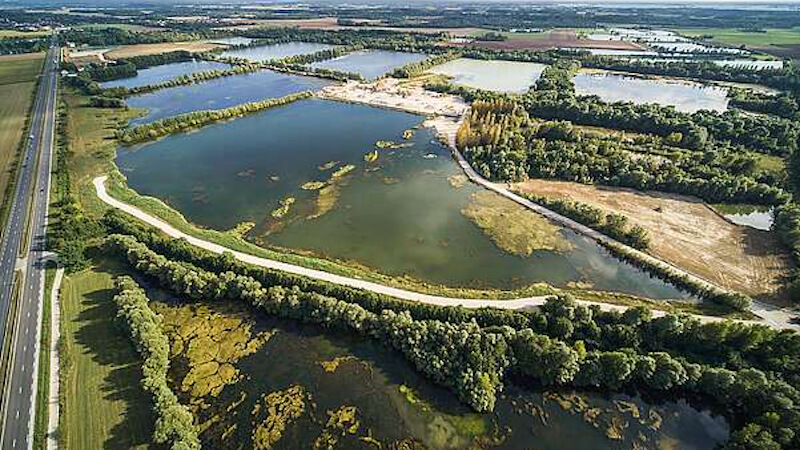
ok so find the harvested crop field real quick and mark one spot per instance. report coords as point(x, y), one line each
point(687, 233)
point(17, 83)
point(127, 51)
point(553, 39)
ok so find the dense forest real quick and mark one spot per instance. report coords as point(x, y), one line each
point(745, 370)
point(502, 142)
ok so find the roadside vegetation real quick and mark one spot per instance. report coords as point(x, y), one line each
point(18, 75)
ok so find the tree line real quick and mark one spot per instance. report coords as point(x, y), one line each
point(733, 345)
point(415, 69)
point(781, 104)
point(197, 119)
point(697, 131)
point(129, 67)
point(113, 36)
point(473, 361)
point(615, 226)
point(503, 142)
point(174, 422)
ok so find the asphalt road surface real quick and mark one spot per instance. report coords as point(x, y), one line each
point(31, 197)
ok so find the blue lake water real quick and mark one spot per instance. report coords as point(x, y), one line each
point(276, 51)
point(683, 95)
point(221, 93)
point(370, 64)
point(158, 74)
point(401, 214)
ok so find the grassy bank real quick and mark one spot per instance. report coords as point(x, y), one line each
point(43, 381)
point(102, 403)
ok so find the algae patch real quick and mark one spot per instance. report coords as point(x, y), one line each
point(275, 412)
point(332, 365)
point(341, 422)
point(211, 342)
point(513, 228)
point(458, 180)
point(282, 210)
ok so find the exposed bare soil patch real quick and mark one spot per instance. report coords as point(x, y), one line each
point(687, 233)
point(127, 51)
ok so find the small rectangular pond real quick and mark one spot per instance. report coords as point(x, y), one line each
point(492, 75)
point(221, 93)
point(369, 186)
point(685, 96)
point(370, 64)
point(165, 72)
point(276, 51)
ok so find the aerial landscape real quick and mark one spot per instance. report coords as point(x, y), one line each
point(402, 225)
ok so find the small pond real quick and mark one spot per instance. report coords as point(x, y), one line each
point(370, 64)
point(221, 93)
point(683, 95)
point(492, 75)
point(165, 72)
point(753, 216)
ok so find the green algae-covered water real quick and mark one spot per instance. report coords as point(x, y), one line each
point(313, 177)
point(256, 382)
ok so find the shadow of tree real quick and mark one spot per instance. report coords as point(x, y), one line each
point(109, 346)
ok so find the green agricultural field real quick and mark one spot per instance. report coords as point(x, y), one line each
point(103, 403)
point(17, 83)
point(734, 37)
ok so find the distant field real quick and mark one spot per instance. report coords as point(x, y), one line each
point(17, 33)
point(103, 403)
point(121, 26)
point(17, 83)
point(558, 38)
point(734, 37)
point(127, 51)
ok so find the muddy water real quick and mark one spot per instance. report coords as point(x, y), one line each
point(305, 377)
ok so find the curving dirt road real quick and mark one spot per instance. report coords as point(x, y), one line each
point(518, 303)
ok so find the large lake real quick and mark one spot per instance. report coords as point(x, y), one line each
point(276, 51)
point(492, 75)
point(683, 95)
point(158, 74)
point(220, 93)
point(370, 64)
point(400, 214)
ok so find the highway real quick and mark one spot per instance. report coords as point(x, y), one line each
point(31, 197)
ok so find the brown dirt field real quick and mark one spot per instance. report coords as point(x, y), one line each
point(556, 39)
point(153, 49)
point(688, 233)
point(782, 51)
